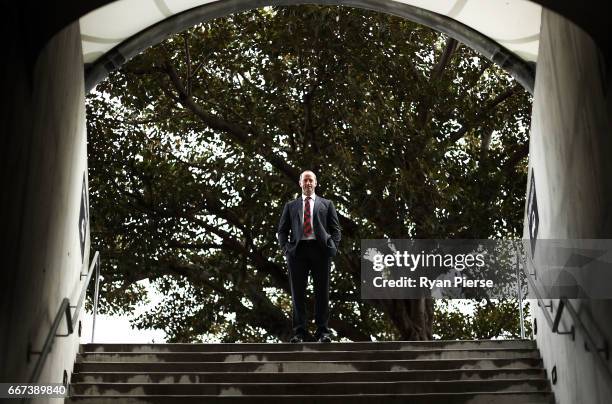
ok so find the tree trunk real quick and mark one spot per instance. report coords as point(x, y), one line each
point(413, 318)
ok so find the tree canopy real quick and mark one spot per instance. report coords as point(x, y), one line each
point(196, 144)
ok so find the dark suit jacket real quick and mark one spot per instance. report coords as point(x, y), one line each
point(324, 223)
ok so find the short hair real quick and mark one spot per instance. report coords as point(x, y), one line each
point(307, 171)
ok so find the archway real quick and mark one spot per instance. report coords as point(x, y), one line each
point(105, 52)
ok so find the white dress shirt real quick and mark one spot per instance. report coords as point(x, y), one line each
point(312, 202)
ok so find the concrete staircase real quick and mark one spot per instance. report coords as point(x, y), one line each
point(430, 372)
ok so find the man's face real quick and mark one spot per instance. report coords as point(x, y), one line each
point(308, 183)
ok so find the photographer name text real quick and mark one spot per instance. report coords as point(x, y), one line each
point(424, 282)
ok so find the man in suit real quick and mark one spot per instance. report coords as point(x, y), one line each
point(309, 234)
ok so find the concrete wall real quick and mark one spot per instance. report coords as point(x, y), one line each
point(571, 158)
point(43, 159)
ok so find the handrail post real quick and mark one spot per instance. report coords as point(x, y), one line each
point(69, 324)
point(64, 310)
point(64, 307)
point(518, 292)
point(96, 294)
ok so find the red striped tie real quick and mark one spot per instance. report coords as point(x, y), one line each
point(307, 222)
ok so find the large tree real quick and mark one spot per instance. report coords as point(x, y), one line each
point(196, 144)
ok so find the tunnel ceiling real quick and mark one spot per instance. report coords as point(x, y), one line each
point(512, 24)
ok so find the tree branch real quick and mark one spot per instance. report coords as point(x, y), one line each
point(484, 113)
point(450, 48)
point(518, 155)
point(423, 109)
point(194, 246)
point(308, 127)
point(236, 132)
point(485, 142)
point(187, 63)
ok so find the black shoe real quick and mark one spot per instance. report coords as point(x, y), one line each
point(297, 338)
point(325, 337)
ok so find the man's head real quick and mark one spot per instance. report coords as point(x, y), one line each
point(308, 182)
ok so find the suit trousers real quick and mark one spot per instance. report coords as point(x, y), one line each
point(309, 257)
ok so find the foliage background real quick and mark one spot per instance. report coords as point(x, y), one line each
point(196, 144)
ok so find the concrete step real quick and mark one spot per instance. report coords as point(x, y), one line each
point(272, 356)
point(295, 377)
point(429, 398)
point(309, 366)
point(432, 372)
point(321, 387)
point(335, 346)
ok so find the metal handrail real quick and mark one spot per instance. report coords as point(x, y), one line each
point(64, 310)
point(564, 302)
point(95, 265)
point(519, 295)
point(538, 296)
